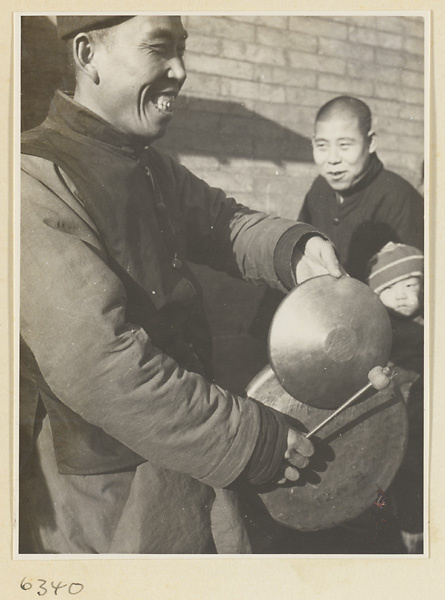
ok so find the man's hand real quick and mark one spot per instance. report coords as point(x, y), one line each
point(317, 257)
point(299, 450)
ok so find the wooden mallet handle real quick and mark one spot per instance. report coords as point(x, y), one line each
point(378, 378)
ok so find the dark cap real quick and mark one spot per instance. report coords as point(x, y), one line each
point(70, 26)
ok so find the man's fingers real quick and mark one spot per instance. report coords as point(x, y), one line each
point(296, 459)
point(298, 442)
point(317, 258)
point(330, 260)
point(291, 474)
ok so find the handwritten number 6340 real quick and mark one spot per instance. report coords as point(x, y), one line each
point(42, 587)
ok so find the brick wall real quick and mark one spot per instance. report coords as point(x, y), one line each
point(256, 82)
point(245, 117)
point(244, 121)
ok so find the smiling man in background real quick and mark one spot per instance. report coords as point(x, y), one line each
point(359, 204)
point(123, 433)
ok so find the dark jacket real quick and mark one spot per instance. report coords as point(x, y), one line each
point(114, 405)
point(381, 207)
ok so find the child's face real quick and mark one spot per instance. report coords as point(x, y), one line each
point(341, 151)
point(403, 298)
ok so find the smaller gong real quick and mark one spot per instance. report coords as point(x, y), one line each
point(325, 337)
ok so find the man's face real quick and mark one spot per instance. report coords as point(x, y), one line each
point(341, 151)
point(403, 298)
point(140, 72)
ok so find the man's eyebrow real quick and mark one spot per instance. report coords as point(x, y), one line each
point(160, 32)
point(319, 138)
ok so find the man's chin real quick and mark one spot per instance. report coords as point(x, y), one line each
point(338, 185)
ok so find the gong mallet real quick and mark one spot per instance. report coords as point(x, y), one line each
point(378, 378)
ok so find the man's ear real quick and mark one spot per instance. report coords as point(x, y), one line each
point(83, 51)
point(372, 142)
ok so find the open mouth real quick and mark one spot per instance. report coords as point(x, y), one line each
point(164, 103)
point(336, 174)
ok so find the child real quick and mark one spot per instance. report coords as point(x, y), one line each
point(396, 275)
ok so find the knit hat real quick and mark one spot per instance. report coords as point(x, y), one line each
point(393, 263)
point(70, 26)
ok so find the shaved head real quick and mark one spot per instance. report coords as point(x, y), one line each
point(346, 107)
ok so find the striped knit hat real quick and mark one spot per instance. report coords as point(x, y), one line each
point(393, 263)
point(71, 26)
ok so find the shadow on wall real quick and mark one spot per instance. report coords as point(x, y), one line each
point(223, 130)
point(203, 127)
point(227, 130)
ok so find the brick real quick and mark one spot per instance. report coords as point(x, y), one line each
point(221, 66)
point(415, 26)
point(200, 164)
point(389, 57)
point(317, 62)
point(208, 85)
point(295, 118)
point(230, 180)
point(304, 170)
point(385, 90)
point(396, 142)
point(285, 197)
point(342, 85)
point(204, 45)
point(286, 39)
point(390, 41)
point(408, 161)
point(197, 102)
point(411, 111)
point(289, 77)
point(414, 45)
point(317, 26)
point(253, 53)
point(253, 90)
point(407, 164)
point(387, 108)
point(365, 21)
point(414, 63)
point(258, 167)
point(263, 73)
point(375, 37)
point(305, 97)
point(413, 96)
point(233, 125)
point(198, 120)
point(392, 24)
point(413, 79)
point(279, 22)
point(362, 35)
point(345, 50)
point(222, 27)
point(399, 126)
point(385, 74)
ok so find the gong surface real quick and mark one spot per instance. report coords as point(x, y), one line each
point(325, 337)
point(356, 455)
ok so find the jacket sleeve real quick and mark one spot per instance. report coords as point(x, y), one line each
point(230, 237)
point(73, 317)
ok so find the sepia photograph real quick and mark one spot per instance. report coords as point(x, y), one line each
point(221, 264)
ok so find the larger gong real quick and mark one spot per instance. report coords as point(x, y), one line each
point(325, 337)
point(356, 455)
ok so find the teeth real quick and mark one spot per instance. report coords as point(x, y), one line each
point(164, 104)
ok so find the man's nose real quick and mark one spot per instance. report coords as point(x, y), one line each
point(177, 70)
point(400, 294)
point(333, 157)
